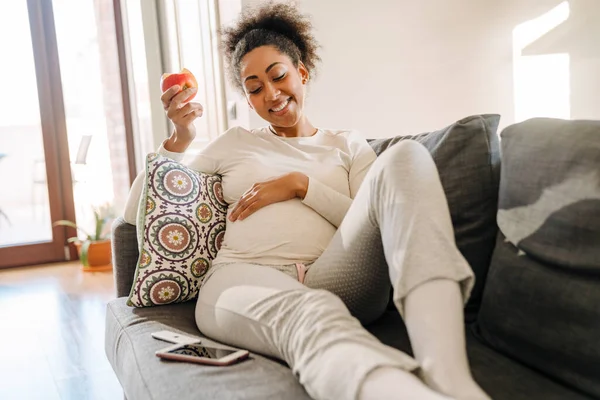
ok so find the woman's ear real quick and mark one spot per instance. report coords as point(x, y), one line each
point(303, 71)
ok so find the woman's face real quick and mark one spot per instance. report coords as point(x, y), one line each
point(274, 88)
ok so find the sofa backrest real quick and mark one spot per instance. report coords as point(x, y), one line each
point(541, 304)
point(125, 255)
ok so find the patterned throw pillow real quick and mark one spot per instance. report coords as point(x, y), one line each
point(181, 224)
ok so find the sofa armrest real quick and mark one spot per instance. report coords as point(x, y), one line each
point(125, 255)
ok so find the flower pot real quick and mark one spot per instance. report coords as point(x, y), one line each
point(99, 255)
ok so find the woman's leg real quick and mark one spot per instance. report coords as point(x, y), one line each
point(266, 311)
point(398, 229)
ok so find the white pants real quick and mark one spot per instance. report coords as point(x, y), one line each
point(397, 232)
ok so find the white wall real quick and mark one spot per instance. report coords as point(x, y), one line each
point(398, 66)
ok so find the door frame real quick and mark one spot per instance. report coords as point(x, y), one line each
point(54, 136)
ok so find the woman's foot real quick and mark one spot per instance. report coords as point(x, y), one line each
point(393, 383)
point(452, 384)
point(434, 320)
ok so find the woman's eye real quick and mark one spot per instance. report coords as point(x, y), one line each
point(280, 77)
point(254, 91)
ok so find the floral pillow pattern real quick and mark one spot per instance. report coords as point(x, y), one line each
point(181, 225)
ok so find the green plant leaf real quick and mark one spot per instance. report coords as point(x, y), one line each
point(83, 256)
point(71, 224)
point(73, 239)
point(66, 223)
point(99, 224)
point(106, 229)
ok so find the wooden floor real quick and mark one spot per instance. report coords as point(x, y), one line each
point(52, 334)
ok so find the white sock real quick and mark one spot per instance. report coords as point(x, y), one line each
point(393, 383)
point(433, 313)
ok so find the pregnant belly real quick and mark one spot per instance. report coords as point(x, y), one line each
point(279, 233)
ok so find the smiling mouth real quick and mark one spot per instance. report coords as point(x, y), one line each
point(281, 106)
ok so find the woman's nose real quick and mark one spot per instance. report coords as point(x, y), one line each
point(271, 92)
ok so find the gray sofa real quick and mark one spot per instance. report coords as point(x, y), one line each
point(533, 321)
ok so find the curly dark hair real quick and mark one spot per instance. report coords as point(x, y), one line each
point(273, 24)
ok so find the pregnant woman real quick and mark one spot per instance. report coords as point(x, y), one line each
point(318, 230)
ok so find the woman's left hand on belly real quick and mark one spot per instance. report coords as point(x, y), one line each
point(285, 187)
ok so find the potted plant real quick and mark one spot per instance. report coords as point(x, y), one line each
point(94, 249)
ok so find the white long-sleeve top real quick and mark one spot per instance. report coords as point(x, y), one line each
point(293, 231)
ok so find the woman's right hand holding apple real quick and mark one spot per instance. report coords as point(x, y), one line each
point(182, 115)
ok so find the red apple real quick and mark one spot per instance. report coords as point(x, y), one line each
point(185, 79)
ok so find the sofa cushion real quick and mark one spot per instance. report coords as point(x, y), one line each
point(546, 317)
point(467, 157)
point(181, 222)
point(500, 376)
point(542, 297)
point(549, 205)
point(130, 350)
point(504, 378)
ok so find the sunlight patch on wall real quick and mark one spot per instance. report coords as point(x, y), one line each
point(541, 82)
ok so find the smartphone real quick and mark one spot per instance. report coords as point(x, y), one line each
point(174, 337)
point(201, 354)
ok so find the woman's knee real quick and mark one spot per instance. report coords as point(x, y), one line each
point(407, 164)
point(408, 147)
point(205, 319)
point(231, 322)
point(405, 155)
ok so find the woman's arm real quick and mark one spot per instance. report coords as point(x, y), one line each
point(330, 203)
